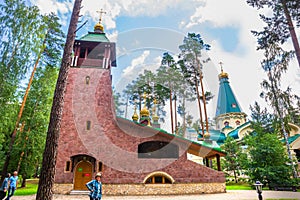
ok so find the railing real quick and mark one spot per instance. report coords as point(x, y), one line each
point(87, 62)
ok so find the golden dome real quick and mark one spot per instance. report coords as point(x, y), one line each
point(145, 112)
point(206, 135)
point(99, 27)
point(155, 118)
point(135, 117)
point(223, 75)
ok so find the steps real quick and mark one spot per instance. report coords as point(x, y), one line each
point(79, 192)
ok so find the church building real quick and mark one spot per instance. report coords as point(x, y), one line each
point(134, 156)
point(231, 121)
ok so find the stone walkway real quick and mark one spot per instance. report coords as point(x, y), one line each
point(230, 195)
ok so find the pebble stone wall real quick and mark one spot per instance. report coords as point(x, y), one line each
point(151, 189)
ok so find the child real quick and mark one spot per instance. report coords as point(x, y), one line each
point(95, 186)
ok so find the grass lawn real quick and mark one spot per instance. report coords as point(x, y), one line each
point(31, 188)
point(238, 186)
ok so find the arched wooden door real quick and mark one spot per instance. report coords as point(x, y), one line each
point(83, 174)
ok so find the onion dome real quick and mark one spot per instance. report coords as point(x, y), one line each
point(155, 118)
point(223, 74)
point(135, 117)
point(98, 28)
point(145, 112)
point(206, 135)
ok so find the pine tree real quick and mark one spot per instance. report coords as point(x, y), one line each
point(280, 27)
point(30, 32)
point(191, 52)
point(234, 156)
point(46, 182)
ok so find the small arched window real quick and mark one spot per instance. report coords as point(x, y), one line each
point(68, 166)
point(159, 178)
point(87, 80)
point(88, 125)
point(226, 123)
point(100, 166)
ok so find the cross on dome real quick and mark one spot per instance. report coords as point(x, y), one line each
point(98, 28)
point(101, 11)
point(222, 74)
point(221, 64)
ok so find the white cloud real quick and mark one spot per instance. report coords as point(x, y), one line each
point(135, 63)
point(54, 6)
point(242, 64)
point(133, 8)
point(61, 9)
point(223, 13)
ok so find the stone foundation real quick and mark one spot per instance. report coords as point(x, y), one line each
point(151, 189)
point(62, 188)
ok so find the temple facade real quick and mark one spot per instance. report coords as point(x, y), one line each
point(231, 121)
point(134, 156)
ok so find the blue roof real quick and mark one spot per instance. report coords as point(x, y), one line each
point(227, 103)
point(292, 138)
point(235, 133)
point(216, 135)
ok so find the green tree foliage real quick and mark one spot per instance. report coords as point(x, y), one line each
point(118, 103)
point(234, 158)
point(169, 76)
point(267, 157)
point(27, 38)
point(268, 160)
point(46, 181)
point(30, 141)
point(191, 65)
point(280, 25)
point(275, 65)
point(146, 83)
point(19, 40)
point(176, 82)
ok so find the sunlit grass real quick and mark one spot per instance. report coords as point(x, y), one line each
point(238, 186)
point(31, 188)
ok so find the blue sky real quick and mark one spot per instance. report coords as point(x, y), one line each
point(143, 30)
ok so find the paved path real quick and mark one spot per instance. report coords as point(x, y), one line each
point(230, 195)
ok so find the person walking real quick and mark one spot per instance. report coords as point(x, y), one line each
point(13, 183)
point(95, 187)
point(4, 186)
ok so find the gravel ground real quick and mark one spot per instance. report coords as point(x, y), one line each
point(230, 195)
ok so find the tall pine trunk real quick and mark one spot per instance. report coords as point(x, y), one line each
point(175, 114)
point(292, 30)
point(17, 125)
point(46, 182)
point(171, 109)
point(184, 116)
point(204, 102)
point(277, 107)
point(199, 105)
point(203, 94)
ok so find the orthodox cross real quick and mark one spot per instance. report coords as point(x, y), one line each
point(100, 12)
point(221, 64)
